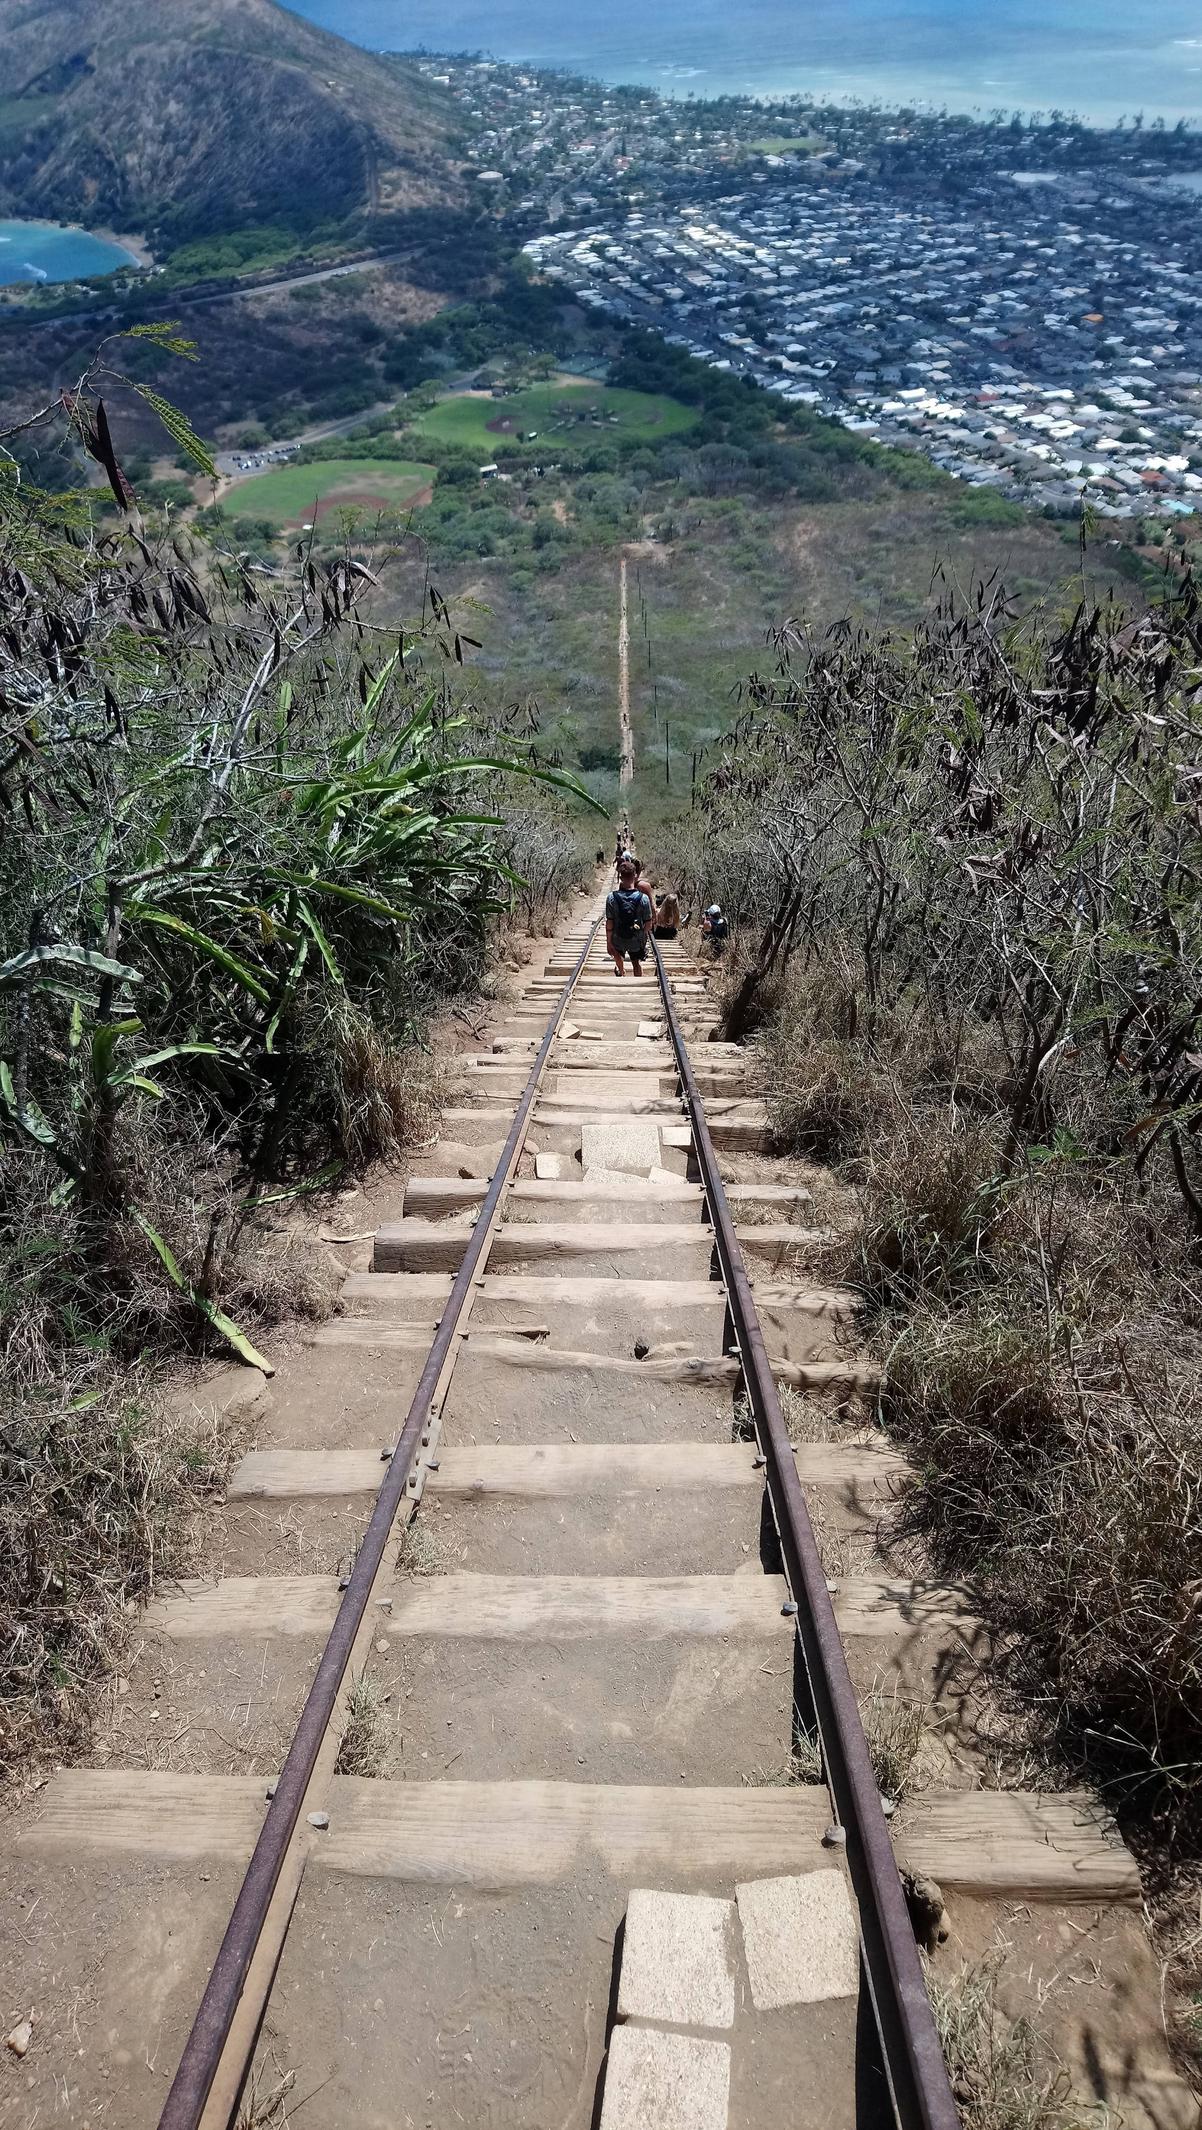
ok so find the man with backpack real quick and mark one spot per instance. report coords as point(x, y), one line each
point(627, 919)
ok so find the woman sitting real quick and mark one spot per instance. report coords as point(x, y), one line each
point(667, 916)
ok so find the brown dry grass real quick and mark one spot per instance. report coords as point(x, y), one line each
point(387, 1098)
point(99, 1478)
point(1042, 1335)
point(1002, 2076)
point(98, 1483)
point(367, 1730)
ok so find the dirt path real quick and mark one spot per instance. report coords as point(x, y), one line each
point(626, 734)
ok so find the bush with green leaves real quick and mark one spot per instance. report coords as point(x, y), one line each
point(237, 814)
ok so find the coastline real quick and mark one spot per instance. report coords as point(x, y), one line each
point(135, 244)
point(132, 243)
point(1097, 58)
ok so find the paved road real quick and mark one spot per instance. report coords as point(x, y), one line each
point(175, 299)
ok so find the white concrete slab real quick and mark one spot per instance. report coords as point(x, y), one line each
point(677, 1959)
point(659, 2081)
point(631, 1144)
point(800, 1938)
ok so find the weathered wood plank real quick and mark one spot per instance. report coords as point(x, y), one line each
point(147, 1812)
point(504, 1343)
point(576, 1607)
point(585, 1046)
point(383, 1290)
point(430, 1196)
point(1038, 1847)
point(485, 1607)
point(1060, 1847)
point(418, 1245)
point(541, 1833)
point(889, 1605)
point(527, 1471)
point(554, 1607)
point(413, 1245)
point(253, 1605)
point(555, 1109)
point(564, 1469)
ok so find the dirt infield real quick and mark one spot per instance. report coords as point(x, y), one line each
point(361, 499)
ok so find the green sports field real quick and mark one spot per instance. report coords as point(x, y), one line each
point(559, 414)
point(298, 495)
point(786, 144)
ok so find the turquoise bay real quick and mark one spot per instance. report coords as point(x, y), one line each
point(45, 251)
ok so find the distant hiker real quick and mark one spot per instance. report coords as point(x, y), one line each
point(627, 919)
point(667, 915)
point(714, 929)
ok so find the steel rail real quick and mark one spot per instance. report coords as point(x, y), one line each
point(914, 2063)
point(202, 2052)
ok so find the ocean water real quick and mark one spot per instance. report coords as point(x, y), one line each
point(42, 251)
point(1100, 58)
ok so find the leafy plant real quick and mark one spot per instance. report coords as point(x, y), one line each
point(239, 814)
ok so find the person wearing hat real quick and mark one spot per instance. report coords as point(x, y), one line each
point(627, 919)
point(714, 929)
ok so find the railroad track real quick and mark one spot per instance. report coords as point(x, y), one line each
point(587, 1893)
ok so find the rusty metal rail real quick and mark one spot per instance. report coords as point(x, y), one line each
point(913, 2058)
point(207, 2043)
point(206, 2088)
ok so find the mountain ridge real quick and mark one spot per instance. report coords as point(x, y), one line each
point(209, 117)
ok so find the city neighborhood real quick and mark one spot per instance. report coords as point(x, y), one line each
point(1016, 302)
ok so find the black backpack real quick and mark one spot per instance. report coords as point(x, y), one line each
point(628, 913)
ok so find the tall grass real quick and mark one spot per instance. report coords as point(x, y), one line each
point(97, 1481)
point(970, 954)
point(252, 836)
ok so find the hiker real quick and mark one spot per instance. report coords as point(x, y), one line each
point(627, 918)
point(714, 929)
point(667, 915)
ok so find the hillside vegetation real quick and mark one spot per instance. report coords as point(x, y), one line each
point(252, 839)
point(197, 117)
point(964, 858)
